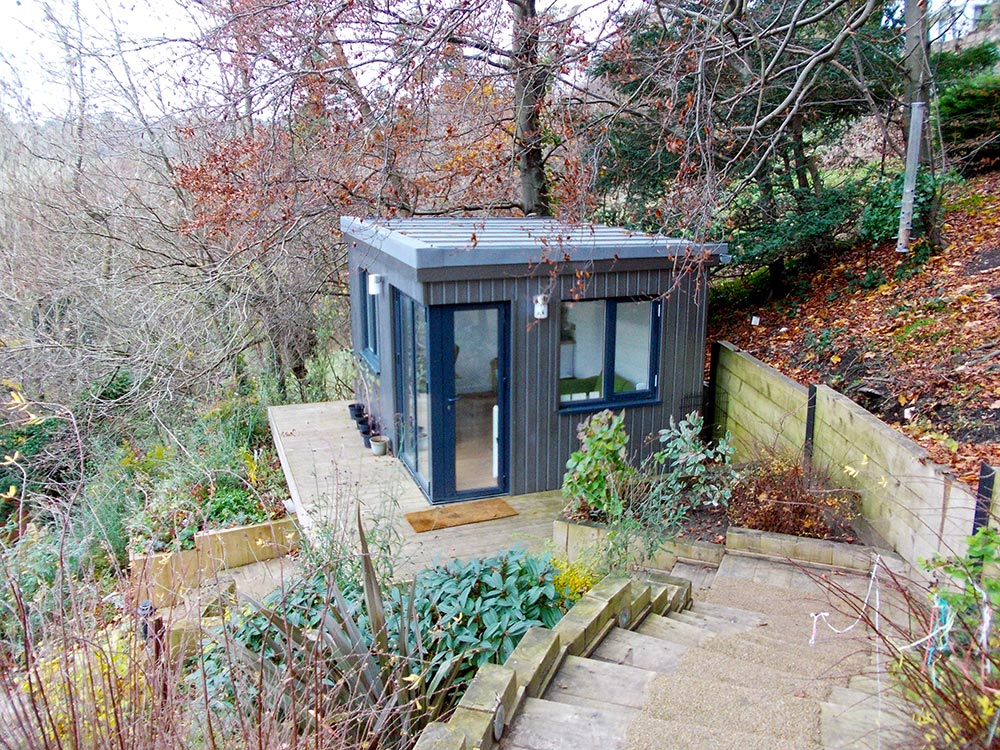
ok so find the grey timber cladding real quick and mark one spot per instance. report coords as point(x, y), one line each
point(499, 269)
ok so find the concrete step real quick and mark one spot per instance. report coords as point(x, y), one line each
point(659, 734)
point(708, 622)
point(548, 725)
point(673, 631)
point(593, 682)
point(639, 650)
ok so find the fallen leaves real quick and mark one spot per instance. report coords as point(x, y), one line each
point(922, 351)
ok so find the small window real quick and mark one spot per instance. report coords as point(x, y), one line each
point(608, 351)
point(369, 322)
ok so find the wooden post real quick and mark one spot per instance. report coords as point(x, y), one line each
point(984, 497)
point(807, 447)
point(710, 409)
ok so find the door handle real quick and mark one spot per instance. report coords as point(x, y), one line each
point(453, 399)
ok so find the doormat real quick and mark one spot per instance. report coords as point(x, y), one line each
point(459, 514)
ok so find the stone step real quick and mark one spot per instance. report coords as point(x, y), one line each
point(548, 725)
point(708, 622)
point(659, 734)
point(671, 630)
point(593, 682)
point(639, 650)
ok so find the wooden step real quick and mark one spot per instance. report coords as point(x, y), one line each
point(732, 614)
point(674, 631)
point(548, 725)
point(639, 650)
point(660, 734)
point(863, 729)
point(708, 622)
point(593, 682)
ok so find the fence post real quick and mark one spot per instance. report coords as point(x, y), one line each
point(709, 410)
point(807, 446)
point(984, 497)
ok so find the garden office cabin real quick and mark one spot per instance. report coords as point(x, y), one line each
point(482, 343)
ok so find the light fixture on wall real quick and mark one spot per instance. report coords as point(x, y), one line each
point(541, 302)
point(374, 284)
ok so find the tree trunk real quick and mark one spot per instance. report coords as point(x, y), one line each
point(530, 78)
point(915, 63)
point(799, 153)
point(777, 278)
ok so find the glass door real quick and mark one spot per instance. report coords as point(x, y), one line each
point(413, 397)
point(472, 400)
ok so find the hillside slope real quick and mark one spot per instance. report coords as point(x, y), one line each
point(915, 340)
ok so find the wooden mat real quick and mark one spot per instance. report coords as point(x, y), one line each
point(459, 514)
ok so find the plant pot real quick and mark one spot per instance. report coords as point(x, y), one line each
point(367, 438)
point(379, 445)
point(357, 410)
point(362, 423)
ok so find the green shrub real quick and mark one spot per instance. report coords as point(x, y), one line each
point(970, 119)
point(800, 227)
point(481, 608)
point(427, 639)
point(644, 506)
point(880, 218)
point(596, 474)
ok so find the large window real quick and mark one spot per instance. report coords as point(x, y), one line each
point(608, 351)
point(369, 322)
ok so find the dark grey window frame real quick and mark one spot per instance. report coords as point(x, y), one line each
point(610, 399)
point(369, 348)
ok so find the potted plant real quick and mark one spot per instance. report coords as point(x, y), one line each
point(379, 445)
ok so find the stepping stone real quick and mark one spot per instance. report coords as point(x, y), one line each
point(638, 650)
point(547, 725)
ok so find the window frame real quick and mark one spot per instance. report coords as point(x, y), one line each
point(369, 316)
point(608, 396)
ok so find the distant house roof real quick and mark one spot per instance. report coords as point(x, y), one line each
point(432, 243)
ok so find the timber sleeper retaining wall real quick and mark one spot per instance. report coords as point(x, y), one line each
point(164, 577)
point(917, 506)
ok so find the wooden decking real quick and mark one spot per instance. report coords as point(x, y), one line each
point(328, 470)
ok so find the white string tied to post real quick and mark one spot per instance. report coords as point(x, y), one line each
point(824, 616)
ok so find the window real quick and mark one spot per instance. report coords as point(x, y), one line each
point(608, 351)
point(369, 322)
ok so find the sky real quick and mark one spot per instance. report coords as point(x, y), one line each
point(33, 65)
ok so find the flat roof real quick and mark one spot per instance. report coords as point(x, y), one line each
point(438, 242)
